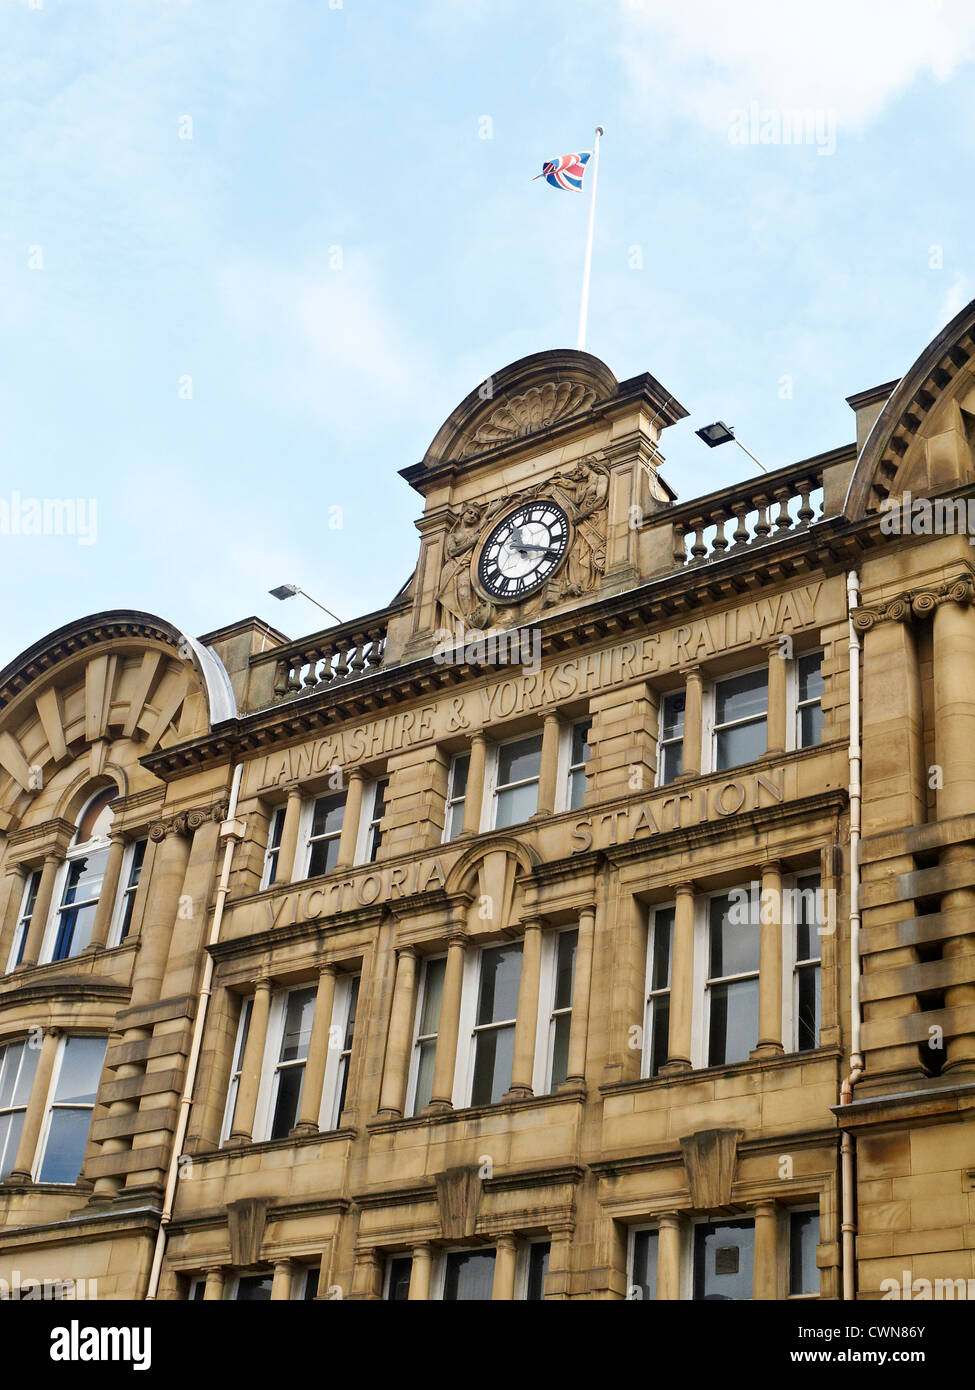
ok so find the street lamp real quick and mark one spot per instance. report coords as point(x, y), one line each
point(284, 591)
point(720, 433)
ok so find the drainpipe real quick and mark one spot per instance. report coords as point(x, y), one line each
point(847, 1146)
point(231, 831)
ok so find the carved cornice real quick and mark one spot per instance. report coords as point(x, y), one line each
point(915, 603)
point(536, 409)
point(185, 822)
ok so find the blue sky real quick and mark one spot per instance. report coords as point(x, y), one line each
point(338, 255)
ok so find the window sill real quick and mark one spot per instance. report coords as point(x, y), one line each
point(476, 1112)
point(698, 1074)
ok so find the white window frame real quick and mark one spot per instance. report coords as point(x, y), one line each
point(23, 922)
point(785, 1251)
point(388, 1269)
point(233, 1085)
point(305, 822)
point(631, 1235)
point(664, 743)
point(19, 1109)
point(452, 799)
point(791, 963)
point(523, 1265)
point(122, 889)
point(545, 1026)
point(565, 765)
point(414, 1074)
point(489, 804)
point(40, 1150)
point(701, 1025)
point(687, 1249)
point(270, 849)
point(709, 751)
point(649, 994)
point(795, 706)
point(466, 1052)
point(367, 818)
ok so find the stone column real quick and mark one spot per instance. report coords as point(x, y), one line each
point(475, 785)
point(288, 849)
point(505, 1262)
point(446, 1055)
point(581, 987)
point(250, 1072)
point(107, 896)
point(668, 1256)
point(693, 721)
point(318, 1043)
point(42, 910)
point(765, 1283)
point(350, 820)
point(559, 1275)
point(213, 1289)
point(549, 771)
point(526, 1023)
point(22, 1170)
point(14, 883)
point(281, 1283)
point(681, 983)
point(954, 735)
point(420, 1273)
point(393, 1091)
point(168, 872)
point(770, 964)
point(775, 728)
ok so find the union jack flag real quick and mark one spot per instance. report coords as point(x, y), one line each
point(566, 172)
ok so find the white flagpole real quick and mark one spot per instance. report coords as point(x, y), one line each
point(584, 306)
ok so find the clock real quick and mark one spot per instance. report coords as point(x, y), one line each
point(523, 550)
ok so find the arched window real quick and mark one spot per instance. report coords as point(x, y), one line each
point(82, 877)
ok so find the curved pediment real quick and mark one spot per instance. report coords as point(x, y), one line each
point(923, 440)
point(528, 397)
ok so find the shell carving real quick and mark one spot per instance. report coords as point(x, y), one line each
point(538, 408)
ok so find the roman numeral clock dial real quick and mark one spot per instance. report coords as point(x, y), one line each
point(523, 551)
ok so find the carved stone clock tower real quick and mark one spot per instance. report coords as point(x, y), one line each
point(535, 488)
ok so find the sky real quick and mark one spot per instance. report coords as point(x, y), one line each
point(253, 254)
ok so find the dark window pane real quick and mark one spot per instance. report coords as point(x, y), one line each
point(324, 856)
point(672, 719)
point(400, 1270)
point(287, 1101)
point(493, 1054)
point(560, 1050)
point(809, 991)
point(803, 1239)
point(577, 788)
point(298, 1015)
point(645, 1263)
point(538, 1254)
point(673, 761)
point(81, 1066)
point(740, 744)
point(10, 1126)
point(808, 914)
point(255, 1288)
point(462, 764)
point(469, 1276)
point(811, 725)
point(723, 1257)
point(424, 1075)
point(733, 1031)
point(580, 746)
point(65, 1148)
point(519, 761)
point(564, 968)
point(199, 1289)
point(311, 1283)
point(663, 935)
point(811, 684)
point(500, 978)
point(734, 943)
point(741, 697)
point(353, 1007)
point(327, 815)
point(659, 1033)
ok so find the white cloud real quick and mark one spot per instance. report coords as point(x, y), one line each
point(706, 58)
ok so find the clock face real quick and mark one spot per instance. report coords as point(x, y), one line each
point(523, 550)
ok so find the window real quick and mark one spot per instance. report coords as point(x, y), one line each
point(643, 1265)
point(456, 796)
point(243, 1028)
point(81, 878)
point(374, 808)
point(327, 814)
point(77, 1070)
point(198, 1288)
point(252, 1288)
point(517, 769)
point(275, 831)
point(732, 982)
point(723, 1260)
point(18, 1063)
point(578, 757)
point(670, 755)
point(132, 862)
point(305, 1285)
point(807, 990)
point(425, 1038)
point(740, 717)
point(803, 1240)
point(536, 1270)
point(555, 1015)
point(809, 707)
point(468, 1276)
point(345, 1052)
point(297, 1010)
point(23, 921)
point(656, 1025)
point(399, 1271)
point(494, 1029)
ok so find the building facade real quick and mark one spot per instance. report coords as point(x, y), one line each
point(594, 922)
